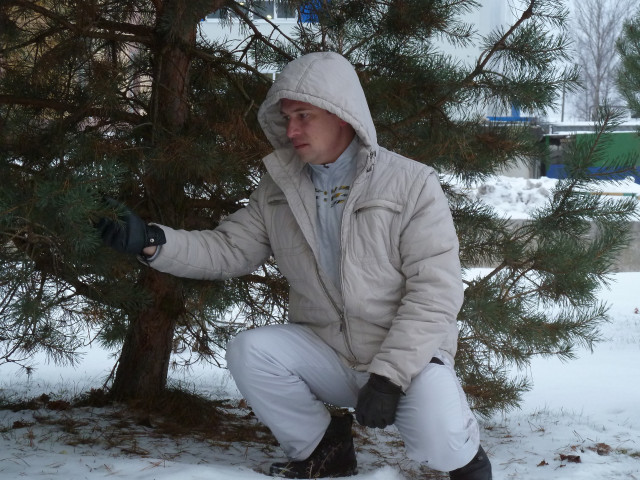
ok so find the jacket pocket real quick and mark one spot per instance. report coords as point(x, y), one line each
point(375, 231)
point(286, 238)
point(377, 204)
point(278, 199)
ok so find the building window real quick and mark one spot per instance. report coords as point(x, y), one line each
point(221, 14)
point(265, 9)
point(269, 9)
point(284, 11)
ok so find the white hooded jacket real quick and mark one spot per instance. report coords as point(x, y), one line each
point(401, 286)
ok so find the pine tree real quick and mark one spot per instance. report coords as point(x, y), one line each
point(628, 47)
point(114, 98)
point(107, 97)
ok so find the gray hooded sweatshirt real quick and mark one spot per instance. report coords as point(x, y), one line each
point(399, 290)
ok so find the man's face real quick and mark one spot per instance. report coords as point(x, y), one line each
point(319, 137)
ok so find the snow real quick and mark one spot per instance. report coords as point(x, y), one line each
point(586, 408)
point(518, 197)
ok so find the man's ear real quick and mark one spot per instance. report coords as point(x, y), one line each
point(347, 126)
point(342, 123)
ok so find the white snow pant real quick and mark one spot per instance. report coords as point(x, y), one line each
point(287, 373)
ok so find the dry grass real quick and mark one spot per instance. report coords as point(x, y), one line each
point(182, 417)
point(175, 414)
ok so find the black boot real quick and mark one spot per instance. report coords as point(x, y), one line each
point(479, 468)
point(333, 457)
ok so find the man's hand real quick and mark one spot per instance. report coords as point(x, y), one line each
point(377, 402)
point(130, 234)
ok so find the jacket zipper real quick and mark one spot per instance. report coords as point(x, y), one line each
point(343, 319)
point(338, 312)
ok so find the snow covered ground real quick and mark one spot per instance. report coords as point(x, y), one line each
point(517, 197)
point(581, 420)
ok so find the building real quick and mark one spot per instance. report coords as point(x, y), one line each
point(275, 20)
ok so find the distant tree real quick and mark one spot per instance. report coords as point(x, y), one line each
point(123, 98)
point(628, 47)
point(596, 26)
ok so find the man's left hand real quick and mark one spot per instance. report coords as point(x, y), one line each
point(377, 402)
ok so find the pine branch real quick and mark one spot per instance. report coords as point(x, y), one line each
point(215, 63)
point(47, 265)
point(64, 107)
point(136, 33)
point(147, 40)
point(257, 34)
point(469, 80)
point(364, 41)
point(37, 40)
point(45, 12)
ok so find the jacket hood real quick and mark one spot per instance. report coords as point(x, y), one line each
point(326, 80)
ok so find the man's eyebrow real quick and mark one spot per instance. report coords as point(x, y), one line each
point(295, 110)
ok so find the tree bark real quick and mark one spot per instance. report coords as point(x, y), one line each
point(144, 361)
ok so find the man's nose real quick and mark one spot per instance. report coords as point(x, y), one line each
point(292, 129)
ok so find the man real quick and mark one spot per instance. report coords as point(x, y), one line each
point(366, 240)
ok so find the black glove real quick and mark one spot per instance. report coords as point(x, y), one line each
point(377, 402)
point(130, 234)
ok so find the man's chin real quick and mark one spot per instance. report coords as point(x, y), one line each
point(306, 158)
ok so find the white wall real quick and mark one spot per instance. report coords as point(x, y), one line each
point(226, 31)
point(491, 14)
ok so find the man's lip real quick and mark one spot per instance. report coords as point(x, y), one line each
point(299, 145)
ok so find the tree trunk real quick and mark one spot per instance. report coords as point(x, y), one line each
point(144, 360)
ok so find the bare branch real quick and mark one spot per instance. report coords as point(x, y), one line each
point(597, 26)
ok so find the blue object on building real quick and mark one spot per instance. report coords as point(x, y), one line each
point(515, 116)
point(602, 173)
point(308, 13)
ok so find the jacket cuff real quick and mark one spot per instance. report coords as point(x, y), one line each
point(155, 236)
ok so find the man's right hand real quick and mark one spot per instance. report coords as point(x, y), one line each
point(129, 234)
